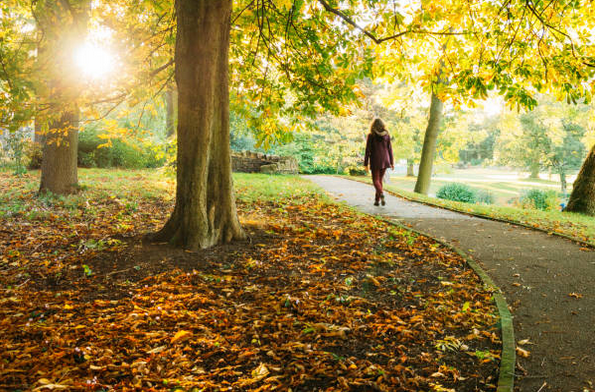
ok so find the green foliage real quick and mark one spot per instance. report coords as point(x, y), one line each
point(539, 199)
point(549, 137)
point(302, 150)
point(484, 197)
point(14, 147)
point(33, 155)
point(357, 170)
point(456, 191)
point(129, 153)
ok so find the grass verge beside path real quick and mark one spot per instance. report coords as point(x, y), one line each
point(320, 298)
point(575, 226)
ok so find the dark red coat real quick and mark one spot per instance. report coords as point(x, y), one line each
point(379, 152)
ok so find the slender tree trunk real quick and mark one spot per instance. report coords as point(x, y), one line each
point(38, 135)
point(170, 110)
point(59, 164)
point(534, 170)
point(562, 173)
point(582, 198)
point(410, 168)
point(205, 211)
point(424, 175)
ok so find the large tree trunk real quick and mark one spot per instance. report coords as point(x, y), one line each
point(205, 211)
point(424, 174)
point(582, 198)
point(64, 24)
point(58, 166)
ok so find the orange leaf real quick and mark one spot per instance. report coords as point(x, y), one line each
point(181, 335)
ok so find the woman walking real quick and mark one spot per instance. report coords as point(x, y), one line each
point(379, 156)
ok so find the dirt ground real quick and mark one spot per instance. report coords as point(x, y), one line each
point(547, 281)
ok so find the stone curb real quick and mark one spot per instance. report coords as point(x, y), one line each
point(508, 356)
point(479, 215)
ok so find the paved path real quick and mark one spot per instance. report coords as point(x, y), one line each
point(541, 277)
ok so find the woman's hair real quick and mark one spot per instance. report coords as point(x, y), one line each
point(377, 126)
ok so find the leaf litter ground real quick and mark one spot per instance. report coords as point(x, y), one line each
point(320, 298)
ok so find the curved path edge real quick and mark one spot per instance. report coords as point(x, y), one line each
point(479, 215)
point(508, 356)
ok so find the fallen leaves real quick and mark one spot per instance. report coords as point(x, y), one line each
point(522, 352)
point(323, 299)
point(181, 336)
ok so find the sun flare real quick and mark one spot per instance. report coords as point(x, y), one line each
point(94, 61)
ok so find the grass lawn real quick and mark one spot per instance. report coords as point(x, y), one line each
point(504, 185)
point(319, 297)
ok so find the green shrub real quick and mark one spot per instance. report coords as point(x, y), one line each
point(129, 154)
point(14, 148)
point(484, 197)
point(456, 191)
point(33, 154)
point(355, 170)
point(539, 199)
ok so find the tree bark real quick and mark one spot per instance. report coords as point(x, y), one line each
point(170, 110)
point(205, 211)
point(38, 134)
point(59, 163)
point(410, 168)
point(424, 175)
point(582, 198)
point(534, 170)
point(64, 24)
point(563, 184)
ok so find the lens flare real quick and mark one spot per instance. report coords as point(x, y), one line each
point(94, 61)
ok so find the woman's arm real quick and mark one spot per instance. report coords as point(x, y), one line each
point(390, 154)
point(368, 152)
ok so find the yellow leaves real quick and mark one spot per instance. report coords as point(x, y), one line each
point(575, 295)
point(181, 336)
point(285, 4)
point(260, 372)
point(522, 353)
point(47, 384)
point(257, 374)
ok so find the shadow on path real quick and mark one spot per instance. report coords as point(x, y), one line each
point(549, 283)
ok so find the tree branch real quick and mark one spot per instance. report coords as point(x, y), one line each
point(377, 40)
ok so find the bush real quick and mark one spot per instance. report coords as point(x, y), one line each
point(33, 154)
point(14, 148)
point(484, 197)
point(129, 154)
point(356, 170)
point(457, 192)
point(539, 199)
